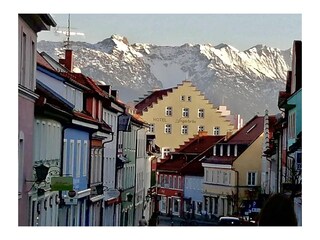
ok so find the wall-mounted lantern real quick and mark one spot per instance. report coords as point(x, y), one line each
point(41, 173)
point(129, 197)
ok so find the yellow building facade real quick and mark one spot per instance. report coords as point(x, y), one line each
point(177, 114)
point(249, 164)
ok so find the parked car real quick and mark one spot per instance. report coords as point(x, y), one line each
point(229, 221)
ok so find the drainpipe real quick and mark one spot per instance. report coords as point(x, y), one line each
point(102, 171)
point(269, 180)
point(64, 127)
point(135, 177)
point(237, 191)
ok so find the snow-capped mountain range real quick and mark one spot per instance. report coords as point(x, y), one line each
point(248, 82)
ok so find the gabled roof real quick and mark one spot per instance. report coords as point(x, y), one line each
point(86, 81)
point(53, 96)
point(249, 132)
point(51, 103)
point(151, 99)
point(43, 62)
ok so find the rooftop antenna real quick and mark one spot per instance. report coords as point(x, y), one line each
point(67, 32)
point(67, 44)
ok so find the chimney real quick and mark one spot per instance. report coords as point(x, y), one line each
point(228, 135)
point(202, 133)
point(114, 93)
point(68, 60)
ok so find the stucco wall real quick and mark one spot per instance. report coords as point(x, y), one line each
point(156, 115)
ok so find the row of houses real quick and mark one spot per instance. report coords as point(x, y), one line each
point(85, 157)
point(234, 173)
point(82, 152)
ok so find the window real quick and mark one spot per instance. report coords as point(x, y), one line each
point(151, 128)
point(167, 128)
point(71, 159)
point(184, 129)
point(168, 111)
point(207, 175)
point(252, 178)
point(176, 205)
point(185, 112)
point(182, 98)
point(65, 172)
point(32, 56)
point(21, 160)
point(23, 58)
point(199, 207)
point(161, 181)
point(166, 181)
point(225, 178)
point(78, 166)
point(85, 158)
point(179, 183)
point(200, 128)
point(201, 113)
point(189, 98)
point(292, 125)
point(216, 131)
point(218, 176)
point(170, 182)
point(174, 182)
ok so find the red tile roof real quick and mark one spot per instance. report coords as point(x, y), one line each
point(198, 144)
point(151, 99)
point(172, 165)
point(86, 81)
point(249, 132)
point(43, 62)
point(193, 168)
point(88, 118)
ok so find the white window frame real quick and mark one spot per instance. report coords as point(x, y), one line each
point(200, 128)
point(200, 113)
point(189, 98)
point(216, 131)
point(184, 129)
point(182, 98)
point(250, 176)
point(151, 127)
point(185, 112)
point(168, 111)
point(168, 128)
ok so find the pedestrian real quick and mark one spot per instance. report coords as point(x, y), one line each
point(278, 210)
point(143, 221)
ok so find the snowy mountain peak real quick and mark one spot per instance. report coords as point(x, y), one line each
point(251, 78)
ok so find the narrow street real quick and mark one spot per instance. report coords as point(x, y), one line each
point(178, 222)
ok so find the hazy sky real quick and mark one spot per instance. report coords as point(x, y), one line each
point(242, 31)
